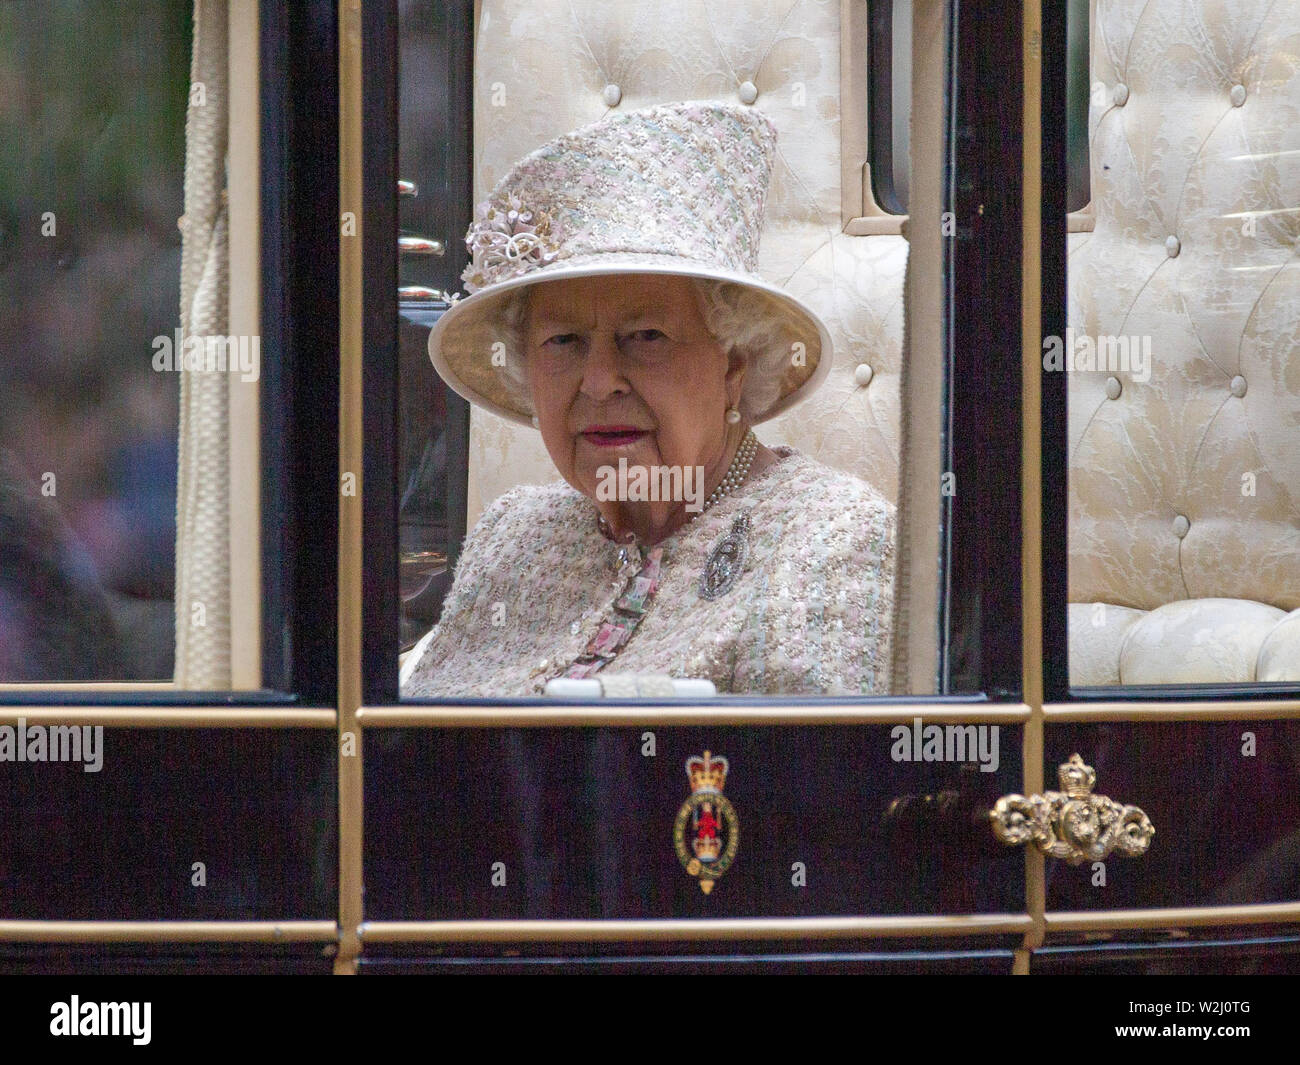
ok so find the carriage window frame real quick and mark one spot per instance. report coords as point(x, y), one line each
point(872, 203)
point(1055, 701)
point(301, 80)
point(985, 610)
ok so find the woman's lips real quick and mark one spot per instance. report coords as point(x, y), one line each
point(613, 435)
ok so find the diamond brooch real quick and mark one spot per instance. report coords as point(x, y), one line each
point(726, 561)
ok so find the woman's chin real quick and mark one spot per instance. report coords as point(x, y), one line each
point(594, 457)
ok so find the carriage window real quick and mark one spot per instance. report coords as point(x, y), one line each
point(718, 504)
point(1077, 91)
point(641, 452)
point(889, 96)
point(1183, 464)
point(889, 100)
point(123, 351)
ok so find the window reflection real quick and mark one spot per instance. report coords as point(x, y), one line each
point(91, 172)
point(433, 420)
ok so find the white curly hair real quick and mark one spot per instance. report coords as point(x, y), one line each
point(738, 318)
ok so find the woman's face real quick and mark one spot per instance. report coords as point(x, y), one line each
point(624, 367)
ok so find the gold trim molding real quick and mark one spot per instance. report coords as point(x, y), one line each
point(168, 931)
point(173, 716)
point(672, 931)
point(1246, 710)
point(1199, 917)
point(351, 459)
point(685, 714)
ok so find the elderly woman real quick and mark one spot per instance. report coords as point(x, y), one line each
point(615, 308)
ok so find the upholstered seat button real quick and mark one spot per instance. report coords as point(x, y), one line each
point(1173, 246)
point(863, 374)
point(1181, 525)
point(1120, 95)
point(1113, 388)
point(612, 95)
point(1238, 386)
point(1237, 94)
point(748, 92)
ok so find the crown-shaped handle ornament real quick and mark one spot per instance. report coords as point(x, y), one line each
point(1073, 823)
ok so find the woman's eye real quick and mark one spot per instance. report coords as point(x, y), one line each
point(561, 339)
point(645, 336)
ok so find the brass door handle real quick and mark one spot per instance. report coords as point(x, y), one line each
point(1073, 823)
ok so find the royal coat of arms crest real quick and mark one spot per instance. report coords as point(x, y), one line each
point(707, 831)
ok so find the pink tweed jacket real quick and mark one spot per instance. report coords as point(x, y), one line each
point(809, 614)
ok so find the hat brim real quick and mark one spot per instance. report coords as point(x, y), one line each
point(461, 341)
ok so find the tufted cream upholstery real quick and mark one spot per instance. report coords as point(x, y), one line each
point(1176, 151)
point(1185, 488)
point(547, 66)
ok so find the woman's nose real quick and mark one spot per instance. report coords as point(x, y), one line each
point(602, 373)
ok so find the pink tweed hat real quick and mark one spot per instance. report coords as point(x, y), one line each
point(674, 189)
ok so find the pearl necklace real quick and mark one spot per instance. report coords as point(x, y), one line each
point(737, 471)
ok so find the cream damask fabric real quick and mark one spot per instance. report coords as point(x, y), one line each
point(1185, 464)
point(543, 67)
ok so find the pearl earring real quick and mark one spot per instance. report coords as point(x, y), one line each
point(733, 416)
point(536, 423)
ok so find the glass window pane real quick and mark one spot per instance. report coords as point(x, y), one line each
point(90, 191)
point(1183, 400)
point(130, 397)
point(782, 586)
point(540, 593)
point(889, 99)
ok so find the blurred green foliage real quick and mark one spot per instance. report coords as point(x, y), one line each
point(85, 119)
point(93, 98)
